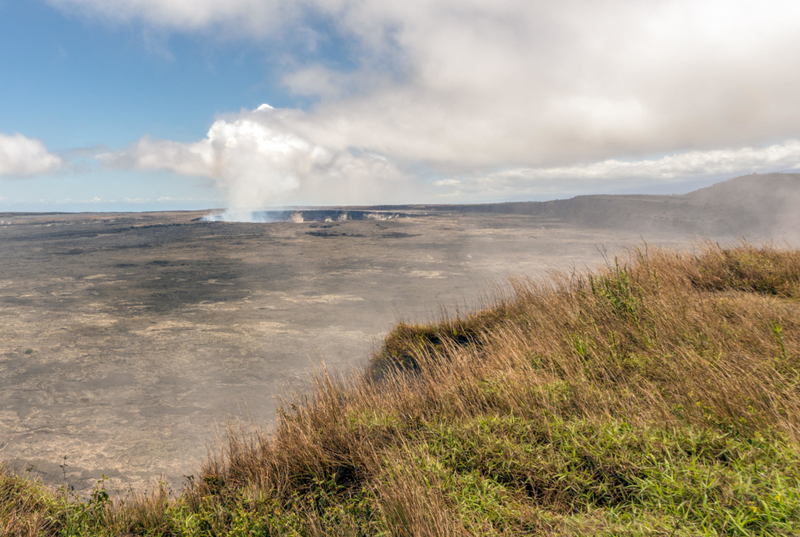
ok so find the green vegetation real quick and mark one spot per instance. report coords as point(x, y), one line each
point(657, 396)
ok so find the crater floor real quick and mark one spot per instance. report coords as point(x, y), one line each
point(128, 341)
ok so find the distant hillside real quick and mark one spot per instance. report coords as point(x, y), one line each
point(752, 204)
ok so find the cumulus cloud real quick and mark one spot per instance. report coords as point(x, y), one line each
point(21, 156)
point(258, 163)
point(465, 83)
point(570, 95)
point(612, 173)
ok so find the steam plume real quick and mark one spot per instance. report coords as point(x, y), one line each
point(259, 164)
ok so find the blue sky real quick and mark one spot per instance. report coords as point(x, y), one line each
point(76, 84)
point(157, 105)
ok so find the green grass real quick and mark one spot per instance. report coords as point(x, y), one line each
point(657, 396)
point(495, 470)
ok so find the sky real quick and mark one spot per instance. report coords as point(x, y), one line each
point(139, 105)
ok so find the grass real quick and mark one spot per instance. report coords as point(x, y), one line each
point(659, 395)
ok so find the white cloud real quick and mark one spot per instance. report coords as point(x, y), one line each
point(21, 156)
point(560, 95)
point(677, 168)
point(466, 83)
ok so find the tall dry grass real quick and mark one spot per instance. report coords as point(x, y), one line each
point(704, 341)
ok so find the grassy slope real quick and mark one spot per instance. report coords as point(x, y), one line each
point(657, 396)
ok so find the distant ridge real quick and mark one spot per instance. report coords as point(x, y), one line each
point(750, 205)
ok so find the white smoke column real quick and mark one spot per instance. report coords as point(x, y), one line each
point(257, 164)
point(254, 163)
point(260, 162)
